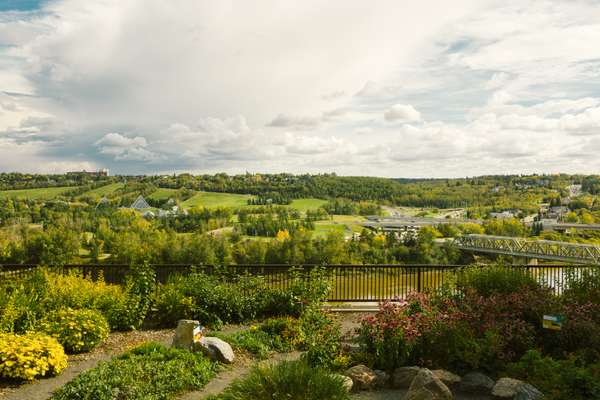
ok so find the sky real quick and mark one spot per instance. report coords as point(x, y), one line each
point(385, 88)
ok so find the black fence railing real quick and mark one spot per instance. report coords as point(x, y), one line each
point(350, 283)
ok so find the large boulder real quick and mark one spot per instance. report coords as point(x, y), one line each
point(448, 378)
point(362, 377)
point(215, 349)
point(184, 334)
point(403, 377)
point(511, 389)
point(477, 383)
point(426, 386)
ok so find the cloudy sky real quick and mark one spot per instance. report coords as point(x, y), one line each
point(389, 88)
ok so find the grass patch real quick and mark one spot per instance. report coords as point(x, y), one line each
point(304, 205)
point(104, 190)
point(213, 199)
point(163, 194)
point(322, 230)
point(289, 380)
point(148, 372)
point(36, 194)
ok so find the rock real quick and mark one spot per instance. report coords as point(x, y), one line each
point(448, 378)
point(363, 378)
point(346, 381)
point(508, 388)
point(528, 392)
point(350, 348)
point(215, 349)
point(476, 382)
point(184, 334)
point(403, 377)
point(382, 378)
point(426, 386)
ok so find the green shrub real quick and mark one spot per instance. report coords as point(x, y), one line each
point(29, 356)
point(490, 280)
point(150, 371)
point(276, 334)
point(569, 379)
point(286, 381)
point(582, 285)
point(322, 339)
point(77, 330)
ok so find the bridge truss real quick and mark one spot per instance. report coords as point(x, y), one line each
point(540, 249)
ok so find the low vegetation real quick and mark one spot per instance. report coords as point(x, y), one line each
point(150, 371)
point(295, 380)
point(29, 356)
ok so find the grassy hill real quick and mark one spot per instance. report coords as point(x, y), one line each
point(212, 199)
point(104, 190)
point(36, 194)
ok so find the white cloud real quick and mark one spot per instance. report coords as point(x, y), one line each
point(291, 121)
point(402, 113)
point(123, 148)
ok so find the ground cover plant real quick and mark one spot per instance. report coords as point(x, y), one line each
point(150, 371)
point(292, 380)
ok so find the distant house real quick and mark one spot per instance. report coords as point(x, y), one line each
point(529, 219)
point(556, 212)
point(140, 204)
point(506, 214)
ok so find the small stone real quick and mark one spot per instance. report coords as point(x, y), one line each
point(513, 389)
point(215, 349)
point(506, 388)
point(346, 381)
point(382, 378)
point(403, 377)
point(477, 383)
point(528, 392)
point(363, 378)
point(184, 334)
point(426, 386)
point(448, 378)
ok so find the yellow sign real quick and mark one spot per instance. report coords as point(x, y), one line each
point(552, 322)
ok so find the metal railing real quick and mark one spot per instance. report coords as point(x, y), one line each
point(350, 283)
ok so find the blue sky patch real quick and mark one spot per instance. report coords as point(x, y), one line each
point(21, 5)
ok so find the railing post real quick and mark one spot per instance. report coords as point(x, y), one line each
point(419, 279)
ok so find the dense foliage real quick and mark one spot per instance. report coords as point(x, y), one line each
point(25, 357)
point(76, 330)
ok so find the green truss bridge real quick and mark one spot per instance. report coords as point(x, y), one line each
point(531, 249)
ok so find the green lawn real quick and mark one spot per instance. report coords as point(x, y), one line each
point(36, 194)
point(104, 190)
point(321, 230)
point(162, 194)
point(213, 199)
point(307, 204)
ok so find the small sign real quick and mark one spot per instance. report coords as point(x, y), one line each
point(198, 332)
point(552, 322)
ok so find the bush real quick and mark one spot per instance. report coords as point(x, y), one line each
point(29, 356)
point(276, 334)
point(569, 379)
point(150, 371)
point(486, 281)
point(582, 285)
point(77, 330)
point(218, 299)
point(322, 339)
point(286, 381)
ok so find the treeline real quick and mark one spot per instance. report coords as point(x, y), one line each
point(125, 237)
point(348, 207)
point(15, 180)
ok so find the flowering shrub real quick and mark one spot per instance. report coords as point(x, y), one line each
point(29, 356)
point(77, 330)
